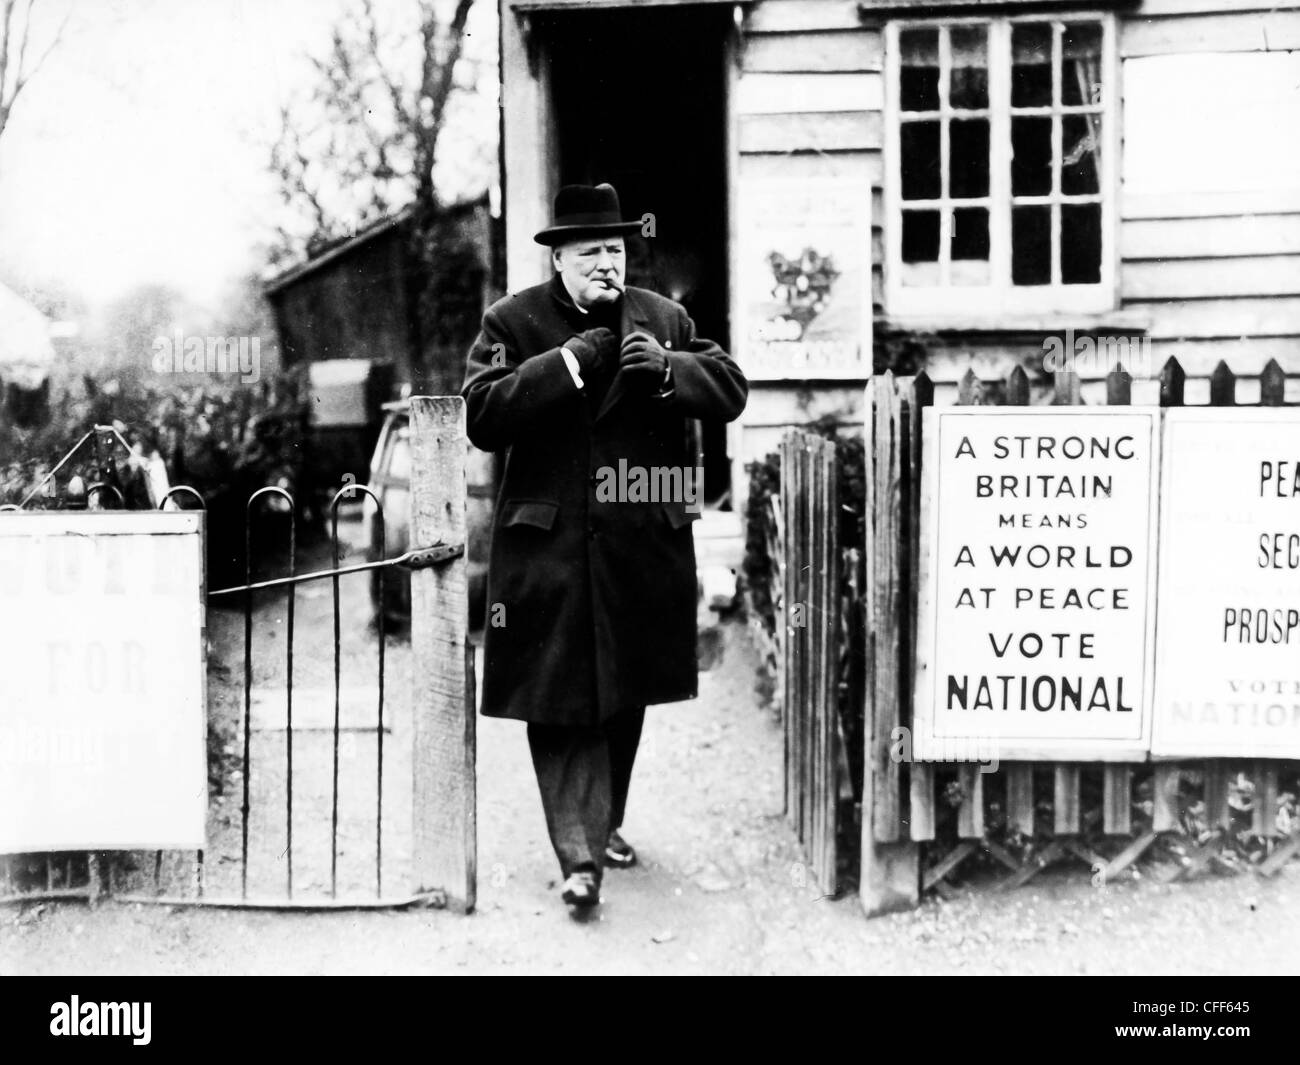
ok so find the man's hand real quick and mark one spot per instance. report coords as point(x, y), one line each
point(644, 362)
point(592, 348)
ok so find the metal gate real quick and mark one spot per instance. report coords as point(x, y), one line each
point(436, 845)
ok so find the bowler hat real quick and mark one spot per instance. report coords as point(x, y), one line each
point(585, 210)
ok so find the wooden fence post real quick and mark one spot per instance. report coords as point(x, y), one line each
point(890, 872)
point(444, 850)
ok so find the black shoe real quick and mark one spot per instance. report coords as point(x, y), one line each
point(618, 852)
point(581, 890)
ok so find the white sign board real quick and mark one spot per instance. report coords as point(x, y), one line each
point(1038, 534)
point(102, 720)
point(1228, 627)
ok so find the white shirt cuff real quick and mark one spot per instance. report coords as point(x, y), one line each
point(571, 361)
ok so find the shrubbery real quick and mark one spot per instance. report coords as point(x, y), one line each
point(224, 440)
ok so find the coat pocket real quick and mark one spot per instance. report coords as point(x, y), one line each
point(678, 514)
point(535, 512)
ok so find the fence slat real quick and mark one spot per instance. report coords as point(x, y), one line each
point(887, 607)
point(970, 816)
point(1164, 797)
point(1217, 814)
point(921, 798)
point(1020, 797)
point(1117, 802)
point(1272, 385)
point(1264, 812)
point(1065, 799)
point(1223, 386)
point(920, 777)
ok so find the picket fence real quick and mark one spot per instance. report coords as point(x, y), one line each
point(920, 822)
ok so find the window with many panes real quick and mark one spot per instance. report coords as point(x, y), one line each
point(999, 156)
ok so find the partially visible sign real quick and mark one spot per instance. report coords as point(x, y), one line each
point(1038, 558)
point(805, 276)
point(1228, 629)
point(102, 681)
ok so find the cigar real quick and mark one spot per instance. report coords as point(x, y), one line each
point(612, 283)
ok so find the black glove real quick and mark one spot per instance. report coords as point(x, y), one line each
point(644, 362)
point(592, 348)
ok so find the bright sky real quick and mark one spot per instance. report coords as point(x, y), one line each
point(139, 152)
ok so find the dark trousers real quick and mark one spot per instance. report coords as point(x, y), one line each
point(583, 774)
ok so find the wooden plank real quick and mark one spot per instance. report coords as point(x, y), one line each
point(824, 52)
point(1225, 318)
point(783, 624)
point(443, 737)
point(782, 94)
point(1020, 797)
point(887, 603)
point(970, 815)
point(920, 777)
point(1164, 797)
point(1272, 384)
point(1117, 800)
point(1217, 777)
point(1066, 810)
point(817, 659)
point(1274, 31)
point(921, 801)
point(1142, 239)
point(528, 153)
point(1034, 865)
point(799, 661)
point(827, 131)
point(1127, 856)
point(947, 864)
point(1263, 275)
point(1228, 204)
point(1284, 853)
point(1223, 386)
point(783, 16)
point(889, 877)
point(1263, 820)
point(830, 668)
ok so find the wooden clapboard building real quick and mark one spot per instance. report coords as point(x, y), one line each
point(836, 185)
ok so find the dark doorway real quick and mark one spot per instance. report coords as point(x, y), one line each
point(640, 101)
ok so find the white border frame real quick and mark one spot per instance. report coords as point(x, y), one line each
point(926, 747)
point(1168, 751)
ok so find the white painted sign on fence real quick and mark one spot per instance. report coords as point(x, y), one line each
point(102, 716)
point(1038, 542)
point(1228, 627)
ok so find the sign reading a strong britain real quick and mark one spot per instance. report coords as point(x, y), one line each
point(101, 659)
point(1038, 559)
point(1228, 627)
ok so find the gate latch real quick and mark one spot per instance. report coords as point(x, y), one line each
point(425, 557)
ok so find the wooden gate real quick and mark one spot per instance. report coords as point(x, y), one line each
point(810, 639)
point(435, 856)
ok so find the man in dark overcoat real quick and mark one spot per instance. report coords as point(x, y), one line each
point(586, 385)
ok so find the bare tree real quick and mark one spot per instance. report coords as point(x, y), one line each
point(365, 139)
point(20, 60)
